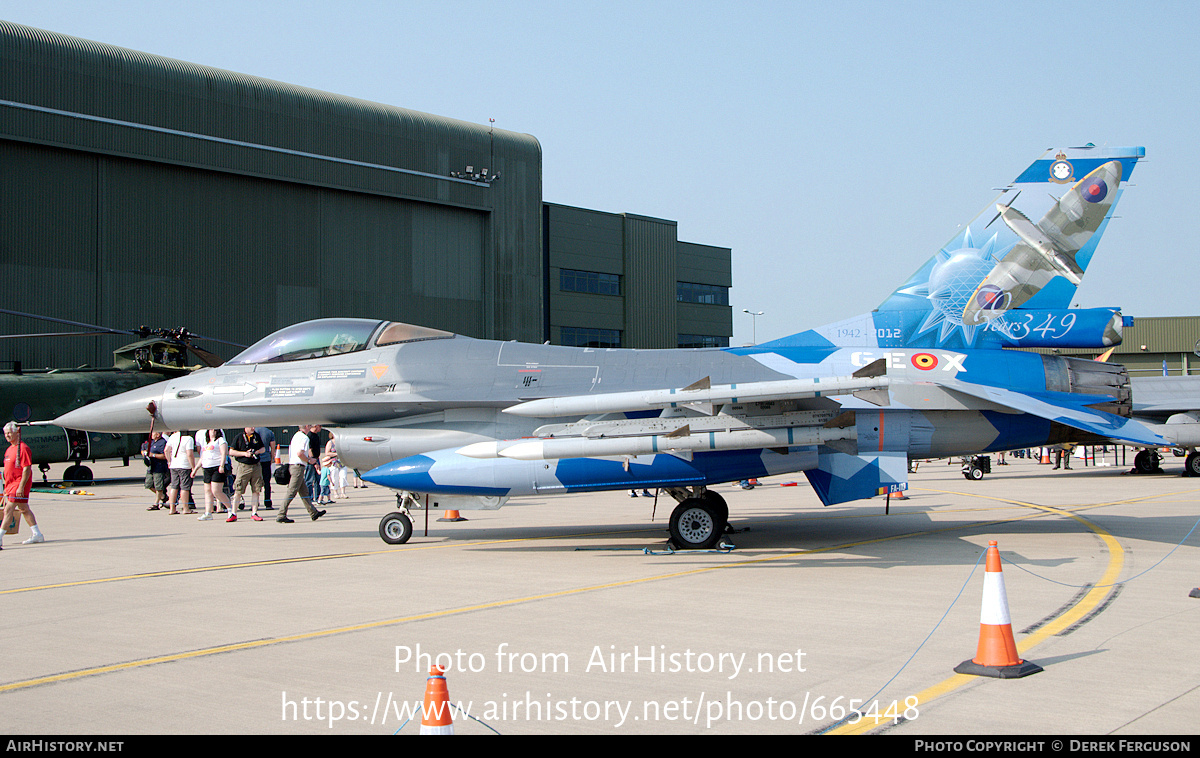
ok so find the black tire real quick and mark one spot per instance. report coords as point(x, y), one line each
point(974, 473)
point(78, 474)
point(695, 525)
point(395, 528)
point(1145, 462)
point(1191, 466)
point(720, 507)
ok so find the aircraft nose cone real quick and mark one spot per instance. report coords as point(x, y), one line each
point(125, 413)
point(410, 474)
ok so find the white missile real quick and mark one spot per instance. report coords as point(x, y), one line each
point(681, 442)
point(697, 395)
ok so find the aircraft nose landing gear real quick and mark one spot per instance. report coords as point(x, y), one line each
point(395, 528)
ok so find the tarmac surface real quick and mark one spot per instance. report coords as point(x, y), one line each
point(553, 618)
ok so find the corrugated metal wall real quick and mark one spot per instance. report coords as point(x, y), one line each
point(137, 189)
point(650, 279)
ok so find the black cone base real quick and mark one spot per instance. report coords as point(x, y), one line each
point(1024, 668)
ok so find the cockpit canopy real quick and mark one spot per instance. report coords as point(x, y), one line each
point(332, 336)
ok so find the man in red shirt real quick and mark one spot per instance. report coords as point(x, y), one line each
point(18, 479)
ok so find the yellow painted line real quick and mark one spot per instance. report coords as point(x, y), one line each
point(1084, 606)
point(233, 647)
point(480, 543)
point(219, 649)
point(300, 559)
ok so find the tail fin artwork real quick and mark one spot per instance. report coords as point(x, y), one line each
point(1005, 280)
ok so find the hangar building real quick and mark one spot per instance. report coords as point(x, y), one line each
point(138, 189)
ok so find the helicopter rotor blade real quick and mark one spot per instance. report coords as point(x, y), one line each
point(53, 334)
point(100, 329)
point(209, 359)
point(181, 335)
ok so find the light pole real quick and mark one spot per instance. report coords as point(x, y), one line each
point(753, 325)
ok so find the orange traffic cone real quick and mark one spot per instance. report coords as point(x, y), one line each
point(435, 716)
point(997, 652)
point(451, 516)
point(1045, 455)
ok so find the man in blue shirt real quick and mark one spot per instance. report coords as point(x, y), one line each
point(265, 460)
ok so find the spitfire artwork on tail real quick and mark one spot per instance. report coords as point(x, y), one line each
point(465, 423)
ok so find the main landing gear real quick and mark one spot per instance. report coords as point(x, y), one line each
point(700, 519)
point(78, 474)
point(1147, 462)
point(1191, 465)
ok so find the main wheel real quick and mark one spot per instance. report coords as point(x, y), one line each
point(78, 474)
point(1192, 465)
point(695, 525)
point(974, 472)
point(395, 528)
point(720, 507)
point(1146, 462)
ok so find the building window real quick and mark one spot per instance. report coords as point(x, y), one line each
point(579, 336)
point(592, 282)
point(702, 340)
point(708, 294)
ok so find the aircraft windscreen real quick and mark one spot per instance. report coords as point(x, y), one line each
point(310, 339)
point(396, 332)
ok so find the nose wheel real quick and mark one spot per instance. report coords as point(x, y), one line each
point(395, 528)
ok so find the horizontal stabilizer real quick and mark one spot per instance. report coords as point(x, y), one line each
point(1068, 409)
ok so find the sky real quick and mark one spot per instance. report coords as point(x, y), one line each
point(832, 146)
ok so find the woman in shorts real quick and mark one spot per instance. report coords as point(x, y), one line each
point(213, 454)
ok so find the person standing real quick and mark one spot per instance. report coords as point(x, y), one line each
point(312, 472)
point(299, 457)
point(265, 459)
point(213, 453)
point(18, 479)
point(158, 473)
point(245, 453)
point(181, 461)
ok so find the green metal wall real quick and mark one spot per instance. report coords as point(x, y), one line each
point(142, 190)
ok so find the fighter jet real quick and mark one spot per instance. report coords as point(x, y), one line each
point(453, 422)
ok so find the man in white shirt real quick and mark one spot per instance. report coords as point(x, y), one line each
point(299, 457)
point(181, 460)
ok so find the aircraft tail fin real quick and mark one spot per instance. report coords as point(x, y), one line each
point(1006, 279)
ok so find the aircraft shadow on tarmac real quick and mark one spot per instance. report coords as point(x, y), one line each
point(851, 533)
